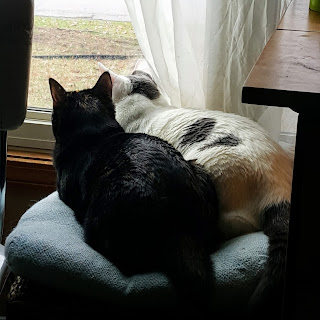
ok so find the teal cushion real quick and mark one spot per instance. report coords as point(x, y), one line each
point(48, 246)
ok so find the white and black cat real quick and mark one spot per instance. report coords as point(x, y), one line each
point(140, 203)
point(252, 173)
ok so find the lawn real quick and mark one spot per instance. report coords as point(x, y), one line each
point(68, 50)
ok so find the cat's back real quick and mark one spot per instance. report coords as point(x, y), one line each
point(205, 135)
point(185, 128)
point(139, 156)
point(139, 149)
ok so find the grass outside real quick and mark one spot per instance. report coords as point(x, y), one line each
point(57, 42)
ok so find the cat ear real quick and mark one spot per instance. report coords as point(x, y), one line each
point(116, 78)
point(57, 92)
point(121, 85)
point(104, 85)
point(142, 65)
point(102, 67)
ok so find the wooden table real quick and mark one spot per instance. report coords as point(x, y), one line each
point(287, 74)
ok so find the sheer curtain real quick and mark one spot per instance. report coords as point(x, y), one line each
point(201, 51)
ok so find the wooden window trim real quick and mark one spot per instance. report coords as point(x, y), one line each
point(30, 168)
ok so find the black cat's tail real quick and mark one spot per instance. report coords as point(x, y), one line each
point(192, 276)
point(267, 298)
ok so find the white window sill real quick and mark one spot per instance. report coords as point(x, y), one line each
point(35, 132)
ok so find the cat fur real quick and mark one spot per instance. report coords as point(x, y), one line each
point(140, 203)
point(252, 173)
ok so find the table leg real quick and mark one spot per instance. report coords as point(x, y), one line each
point(302, 294)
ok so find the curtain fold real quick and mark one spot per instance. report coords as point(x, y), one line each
point(201, 51)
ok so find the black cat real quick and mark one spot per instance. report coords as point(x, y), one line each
point(140, 203)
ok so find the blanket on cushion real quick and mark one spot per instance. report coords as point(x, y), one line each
point(48, 246)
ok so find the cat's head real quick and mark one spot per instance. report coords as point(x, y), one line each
point(139, 82)
point(80, 110)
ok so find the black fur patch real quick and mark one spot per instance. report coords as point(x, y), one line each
point(229, 140)
point(276, 219)
point(142, 83)
point(198, 131)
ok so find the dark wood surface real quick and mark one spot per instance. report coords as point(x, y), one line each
point(288, 71)
point(287, 74)
point(299, 17)
point(30, 178)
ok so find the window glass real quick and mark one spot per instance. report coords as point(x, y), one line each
point(68, 49)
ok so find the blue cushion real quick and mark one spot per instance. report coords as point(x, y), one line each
point(48, 246)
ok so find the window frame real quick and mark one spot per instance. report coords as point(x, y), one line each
point(35, 132)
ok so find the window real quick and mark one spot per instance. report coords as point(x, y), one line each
point(69, 38)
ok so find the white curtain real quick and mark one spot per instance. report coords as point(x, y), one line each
point(201, 51)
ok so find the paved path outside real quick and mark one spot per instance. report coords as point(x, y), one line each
point(115, 10)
